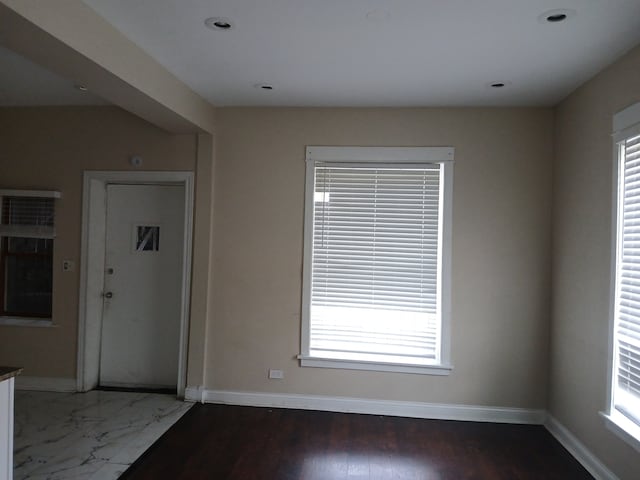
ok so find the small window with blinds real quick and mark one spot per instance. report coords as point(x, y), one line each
point(624, 408)
point(376, 258)
point(26, 253)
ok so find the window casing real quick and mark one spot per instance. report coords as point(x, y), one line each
point(377, 258)
point(623, 414)
point(26, 253)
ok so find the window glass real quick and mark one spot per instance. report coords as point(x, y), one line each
point(26, 256)
point(28, 285)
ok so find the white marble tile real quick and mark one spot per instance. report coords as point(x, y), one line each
point(138, 445)
point(60, 435)
point(67, 468)
point(27, 464)
point(109, 471)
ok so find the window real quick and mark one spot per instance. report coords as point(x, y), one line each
point(376, 261)
point(624, 398)
point(26, 253)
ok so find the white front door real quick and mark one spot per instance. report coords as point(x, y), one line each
point(142, 286)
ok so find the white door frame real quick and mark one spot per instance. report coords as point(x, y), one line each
point(92, 252)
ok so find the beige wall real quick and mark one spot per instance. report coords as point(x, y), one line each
point(501, 249)
point(202, 272)
point(48, 148)
point(581, 259)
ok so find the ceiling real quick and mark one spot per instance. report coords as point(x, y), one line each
point(358, 52)
point(379, 52)
point(23, 83)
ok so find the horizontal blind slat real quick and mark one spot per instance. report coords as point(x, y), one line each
point(628, 275)
point(27, 217)
point(374, 261)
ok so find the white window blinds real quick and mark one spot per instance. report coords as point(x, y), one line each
point(627, 328)
point(375, 260)
point(28, 214)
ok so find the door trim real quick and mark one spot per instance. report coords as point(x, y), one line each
point(92, 267)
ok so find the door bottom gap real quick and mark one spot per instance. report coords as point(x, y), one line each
point(166, 391)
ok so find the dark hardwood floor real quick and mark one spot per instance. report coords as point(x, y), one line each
point(229, 442)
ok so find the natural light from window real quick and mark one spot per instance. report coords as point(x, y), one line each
point(375, 257)
point(624, 408)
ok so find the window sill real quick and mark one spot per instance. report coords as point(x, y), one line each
point(26, 322)
point(307, 361)
point(623, 428)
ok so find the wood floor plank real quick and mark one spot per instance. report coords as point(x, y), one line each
point(247, 443)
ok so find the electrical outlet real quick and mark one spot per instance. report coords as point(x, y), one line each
point(68, 265)
point(275, 373)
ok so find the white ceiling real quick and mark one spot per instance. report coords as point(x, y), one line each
point(412, 53)
point(23, 83)
point(357, 52)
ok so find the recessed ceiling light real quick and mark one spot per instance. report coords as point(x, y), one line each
point(264, 86)
point(80, 87)
point(218, 23)
point(556, 16)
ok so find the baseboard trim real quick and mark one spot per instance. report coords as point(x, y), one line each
point(589, 461)
point(368, 406)
point(194, 394)
point(46, 384)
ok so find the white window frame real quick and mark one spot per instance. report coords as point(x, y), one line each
point(384, 156)
point(626, 124)
point(35, 232)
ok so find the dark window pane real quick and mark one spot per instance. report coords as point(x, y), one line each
point(30, 245)
point(28, 284)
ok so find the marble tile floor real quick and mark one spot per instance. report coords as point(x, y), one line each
point(87, 436)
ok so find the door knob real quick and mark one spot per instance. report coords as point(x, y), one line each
point(108, 295)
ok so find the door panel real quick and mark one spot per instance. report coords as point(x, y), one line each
point(143, 283)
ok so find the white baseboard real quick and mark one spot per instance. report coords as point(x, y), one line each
point(368, 406)
point(46, 384)
point(589, 461)
point(194, 394)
